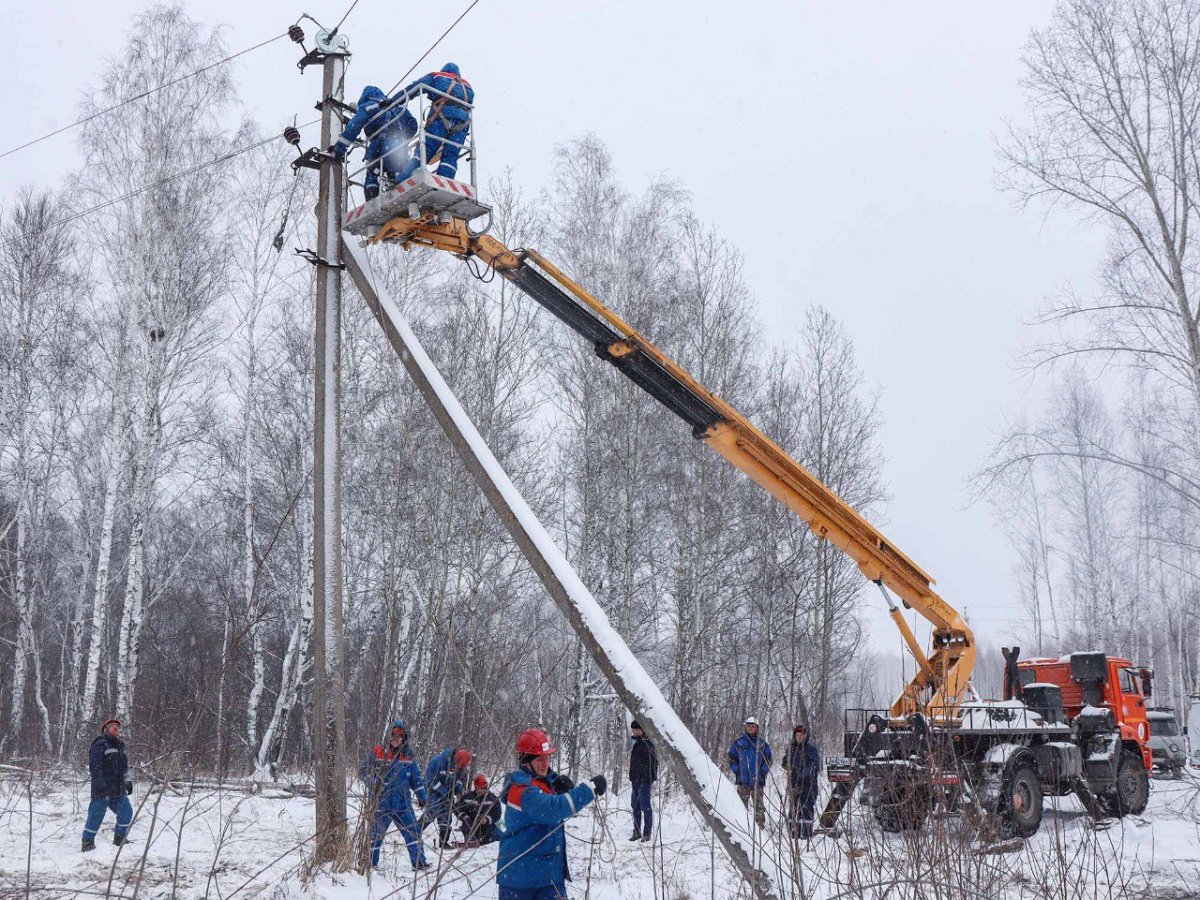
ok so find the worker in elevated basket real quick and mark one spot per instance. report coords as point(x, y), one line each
point(388, 126)
point(532, 862)
point(451, 98)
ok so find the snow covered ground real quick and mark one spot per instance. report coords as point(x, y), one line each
point(226, 844)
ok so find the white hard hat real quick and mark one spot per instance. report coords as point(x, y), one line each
point(750, 720)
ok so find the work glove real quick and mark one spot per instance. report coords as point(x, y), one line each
point(562, 784)
point(129, 787)
point(599, 785)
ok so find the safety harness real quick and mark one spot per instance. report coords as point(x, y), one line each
point(437, 111)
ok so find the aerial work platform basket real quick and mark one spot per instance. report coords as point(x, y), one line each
point(422, 193)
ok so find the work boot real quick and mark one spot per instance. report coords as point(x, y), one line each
point(421, 864)
point(120, 840)
point(88, 844)
point(371, 192)
point(635, 837)
point(646, 837)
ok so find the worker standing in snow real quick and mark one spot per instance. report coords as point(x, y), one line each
point(478, 810)
point(803, 765)
point(108, 766)
point(445, 777)
point(532, 862)
point(643, 772)
point(389, 127)
point(392, 776)
point(451, 98)
point(749, 761)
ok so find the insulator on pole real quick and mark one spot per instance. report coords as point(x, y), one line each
point(296, 33)
point(291, 134)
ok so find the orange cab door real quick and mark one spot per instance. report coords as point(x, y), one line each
point(1130, 707)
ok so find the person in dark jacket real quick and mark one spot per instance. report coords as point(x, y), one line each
point(643, 772)
point(392, 775)
point(451, 99)
point(111, 786)
point(445, 778)
point(389, 127)
point(749, 761)
point(478, 812)
point(803, 765)
point(532, 861)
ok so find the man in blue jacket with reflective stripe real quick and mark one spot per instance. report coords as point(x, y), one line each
point(392, 775)
point(445, 775)
point(108, 767)
point(532, 862)
point(803, 764)
point(749, 761)
point(451, 100)
point(389, 127)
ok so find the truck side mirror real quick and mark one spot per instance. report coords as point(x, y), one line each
point(1147, 682)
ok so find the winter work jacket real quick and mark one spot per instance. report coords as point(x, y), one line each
point(396, 125)
point(108, 766)
point(448, 81)
point(478, 811)
point(643, 761)
point(395, 775)
point(750, 760)
point(533, 848)
point(803, 765)
point(442, 777)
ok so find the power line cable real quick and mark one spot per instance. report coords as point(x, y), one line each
point(234, 153)
point(413, 67)
point(345, 16)
point(434, 45)
point(152, 90)
point(134, 193)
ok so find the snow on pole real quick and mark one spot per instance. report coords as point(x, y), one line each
point(709, 790)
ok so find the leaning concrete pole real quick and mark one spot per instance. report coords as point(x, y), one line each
point(329, 695)
point(710, 792)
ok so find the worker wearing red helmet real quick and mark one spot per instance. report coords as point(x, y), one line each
point(478, 812)
point(532, 862)
point(445, 776)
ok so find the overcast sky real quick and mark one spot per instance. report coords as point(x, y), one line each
point(846, 148)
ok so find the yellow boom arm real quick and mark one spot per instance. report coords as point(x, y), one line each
point(942, 677)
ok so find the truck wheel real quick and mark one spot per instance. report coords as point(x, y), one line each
point(902, 810)
point(1020, 804)
point(1131, 791)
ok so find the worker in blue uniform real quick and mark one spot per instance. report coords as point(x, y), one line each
point(452, 98)
point(393, 775)
point(389, 127)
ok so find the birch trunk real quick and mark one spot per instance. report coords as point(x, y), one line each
point(295, 664)
point(116, 441)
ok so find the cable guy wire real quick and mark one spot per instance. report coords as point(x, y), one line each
point(143, 94)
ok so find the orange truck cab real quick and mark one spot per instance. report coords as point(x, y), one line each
point(1123, 689)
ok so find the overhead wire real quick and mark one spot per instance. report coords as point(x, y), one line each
point(234, 153)
point(147, 93)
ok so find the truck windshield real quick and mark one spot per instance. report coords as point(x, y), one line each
point(1164, 727)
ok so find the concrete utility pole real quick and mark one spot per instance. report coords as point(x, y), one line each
point(328, 647)
point(712, 794)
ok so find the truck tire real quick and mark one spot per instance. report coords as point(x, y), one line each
point(1131, 791)
point(902, 810)
point(1019, 807)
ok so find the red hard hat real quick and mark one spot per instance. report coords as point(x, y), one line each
point(534, 742)
point(480, 783)
point(462, 757)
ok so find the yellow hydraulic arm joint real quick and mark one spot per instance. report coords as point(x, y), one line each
point(942, 678)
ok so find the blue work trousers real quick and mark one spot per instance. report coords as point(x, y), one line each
point(388, 151)
point(549, 892)
point(407, 823)
point(438, 138)
point(438, 810)
point(643, 817)
point(120, 806)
